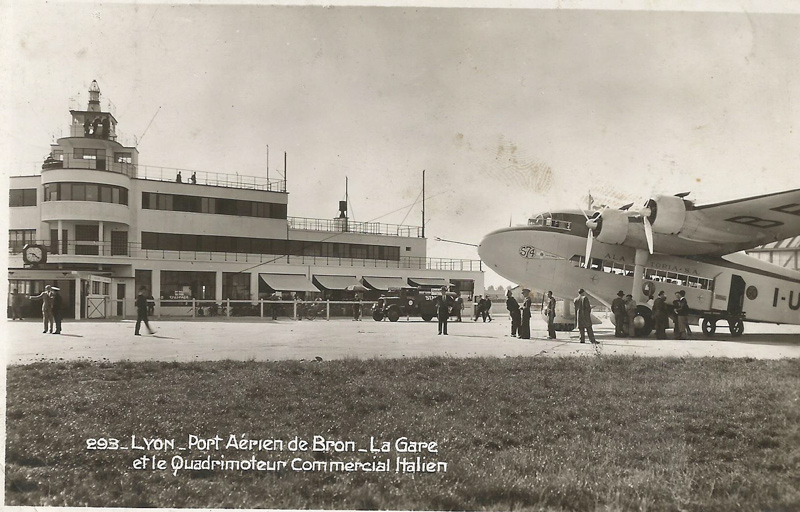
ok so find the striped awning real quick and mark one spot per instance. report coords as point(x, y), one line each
point(288, 282)
point(429, 282)
point(385, 283)
point(337, 282)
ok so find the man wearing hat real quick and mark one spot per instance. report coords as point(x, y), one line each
point(47, 307)
point(550, 311)
point(58, 309)
point(661, 315)
point(630, 311)
point(583, 311)
point(443, 307)
point(513, 309)
point(620, 318)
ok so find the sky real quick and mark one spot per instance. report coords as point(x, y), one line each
point(510, 112)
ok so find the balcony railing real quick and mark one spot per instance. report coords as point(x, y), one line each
point(149, 172)
point(350, 226)
point(107, 252)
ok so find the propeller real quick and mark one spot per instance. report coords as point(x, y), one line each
point(592, 223)
point(646, 212)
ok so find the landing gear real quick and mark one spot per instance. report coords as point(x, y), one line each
point(643, 323)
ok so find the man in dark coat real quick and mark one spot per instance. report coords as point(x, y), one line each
point(443, 306)
point(682, 316)
point(47, 307)
point(661, 315)
point(459, 307)
point(583, 312)
point(516, 315)
point(141, 312)
point(620, 318)
point(550, 311)
point(525, 327)
point(58, 312)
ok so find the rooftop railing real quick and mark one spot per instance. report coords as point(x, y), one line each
point(344, 225)
point(91, 252)
point(149, 172)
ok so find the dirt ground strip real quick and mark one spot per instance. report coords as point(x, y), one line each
point(257, 339)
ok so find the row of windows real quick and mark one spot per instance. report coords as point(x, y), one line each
point(85, 192)
point(211, 243)
point(19, 238)
point(216, 205)
point(22, 197)
point(651, 274)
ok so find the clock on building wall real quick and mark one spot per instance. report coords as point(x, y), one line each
point(34, 254)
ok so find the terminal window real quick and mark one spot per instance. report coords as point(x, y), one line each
point(22, 197)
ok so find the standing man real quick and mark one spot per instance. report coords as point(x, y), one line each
point(47, 307)
point(583, 310)
point(459, 307)
point(443, 310)
point(686, 308)
point(516, 315)
point(16, 305)
point(487, 309)
point(682, 312)
point(178, 178)
point(660, 315)
point(525, 328)
point(58, 311)
point(550, 311)
point(476, 305)
point(141, 312)
point(620, 318)
point(630, 311)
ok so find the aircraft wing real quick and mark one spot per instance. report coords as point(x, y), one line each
point(758, 220)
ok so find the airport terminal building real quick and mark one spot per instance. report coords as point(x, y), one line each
point(99, 225)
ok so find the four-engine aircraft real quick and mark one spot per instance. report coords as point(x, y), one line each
point(668, 244)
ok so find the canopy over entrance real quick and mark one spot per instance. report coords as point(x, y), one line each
point(385, 283)
point(429, 282)
point(337, 282)
point(288, 282)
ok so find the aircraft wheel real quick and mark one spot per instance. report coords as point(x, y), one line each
point(565, 327)
point(393, 315)
point(643, 323)
point(737, 326)
point(427, 318)
point(709, 326)
point(377, 316)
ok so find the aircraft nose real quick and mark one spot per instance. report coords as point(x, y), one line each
point(499, 251)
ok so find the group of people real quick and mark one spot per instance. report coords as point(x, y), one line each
point(52, 308)
point(624, 310)
point(192, 178)
point(520, 315)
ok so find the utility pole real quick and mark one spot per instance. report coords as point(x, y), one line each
point(423, 203)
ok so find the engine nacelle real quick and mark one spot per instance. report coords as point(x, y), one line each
point(667, 214)
point(612, 227)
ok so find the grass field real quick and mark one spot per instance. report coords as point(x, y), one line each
point(607, 433)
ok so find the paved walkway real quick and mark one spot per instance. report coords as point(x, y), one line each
point(262, 340)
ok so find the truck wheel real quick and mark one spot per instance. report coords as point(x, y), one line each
point(377, 316)
point(643, 322)
point(427, 318)
point(393, 315)
point(709, 326)
point(736, 326)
